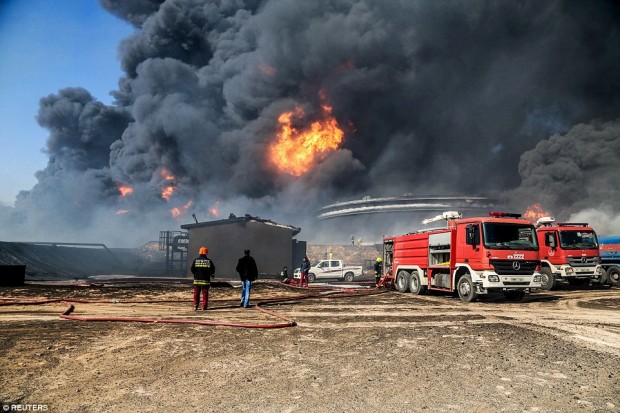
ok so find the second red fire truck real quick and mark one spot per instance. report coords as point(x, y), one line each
point(569, 252)
point(471, 256)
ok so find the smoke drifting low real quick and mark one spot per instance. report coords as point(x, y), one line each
point(516, 100)
point(577, 173)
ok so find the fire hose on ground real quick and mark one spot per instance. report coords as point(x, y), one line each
point(288, 322)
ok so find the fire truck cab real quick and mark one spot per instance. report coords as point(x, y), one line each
point(569, 252)
point(470, 256)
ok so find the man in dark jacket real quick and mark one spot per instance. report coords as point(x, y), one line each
point(304, 270)
point(248, 272)
point(203, 270)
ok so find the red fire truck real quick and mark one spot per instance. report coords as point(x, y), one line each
point(569, 252)
point(471, 256)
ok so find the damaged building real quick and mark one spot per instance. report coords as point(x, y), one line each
point(272, 245)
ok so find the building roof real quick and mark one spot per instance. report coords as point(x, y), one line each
point(233, 219)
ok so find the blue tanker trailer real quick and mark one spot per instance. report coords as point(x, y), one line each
point(610, 258)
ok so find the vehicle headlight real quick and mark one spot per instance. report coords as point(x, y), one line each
point(569, 270)
point(537, 278)
point(493, 278)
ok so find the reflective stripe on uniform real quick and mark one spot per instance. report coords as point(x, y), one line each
point(202, 264)
point(201, 282)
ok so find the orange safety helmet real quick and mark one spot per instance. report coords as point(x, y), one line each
point(203, 251)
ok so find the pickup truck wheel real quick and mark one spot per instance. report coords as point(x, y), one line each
point(415, 286)
point(547, 279)
point(466, 289)
point(311, 278)
point(348, 277)
point(613, 274)
point(402, 281)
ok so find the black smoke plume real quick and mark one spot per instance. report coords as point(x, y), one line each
point(577, 173)
point(516, 100)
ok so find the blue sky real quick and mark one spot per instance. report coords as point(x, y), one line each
point(47, 45)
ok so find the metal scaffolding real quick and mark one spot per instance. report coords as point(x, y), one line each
point(175, 244)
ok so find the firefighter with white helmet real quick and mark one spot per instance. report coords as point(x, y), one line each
point(203, 270)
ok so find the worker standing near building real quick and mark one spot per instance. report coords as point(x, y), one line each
point(203, 270)
point(304, 269)
point(378, 270)
point(248, 272)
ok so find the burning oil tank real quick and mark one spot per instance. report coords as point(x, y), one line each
point(406, 204)
point(369, 219)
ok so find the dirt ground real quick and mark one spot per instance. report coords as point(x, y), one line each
point(555, 351)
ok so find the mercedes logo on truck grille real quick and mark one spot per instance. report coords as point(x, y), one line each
point(584, 260)
point(516, 265)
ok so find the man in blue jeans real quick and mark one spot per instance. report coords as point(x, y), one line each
point(248, 272)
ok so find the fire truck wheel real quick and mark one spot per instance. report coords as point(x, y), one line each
point(415, 286)
point(547, 279)
point(604, 279)
point(613, 274)
point(466, 289)
point(402, 281)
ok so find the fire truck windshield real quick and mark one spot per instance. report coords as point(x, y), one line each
point(501, 236)
point(576, 240)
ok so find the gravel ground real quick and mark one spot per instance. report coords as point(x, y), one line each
point(555, 351)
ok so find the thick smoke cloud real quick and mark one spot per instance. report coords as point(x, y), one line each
point(439, 98)
point(81, 130)
point(135, 11)
point(575, 172)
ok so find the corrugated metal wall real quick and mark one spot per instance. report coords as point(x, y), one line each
point(270, 245)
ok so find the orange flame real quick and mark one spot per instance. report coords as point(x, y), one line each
point(167, 192)
point(266, 69)
point(169, 189)
point(534, 212)
point(296, 151)
point(166, 175)
point(215, 209)
point(177, 211)
point(124, 190)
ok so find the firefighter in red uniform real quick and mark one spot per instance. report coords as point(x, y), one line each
point(203, 270)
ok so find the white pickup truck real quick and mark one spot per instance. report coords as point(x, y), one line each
point(325, 269)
